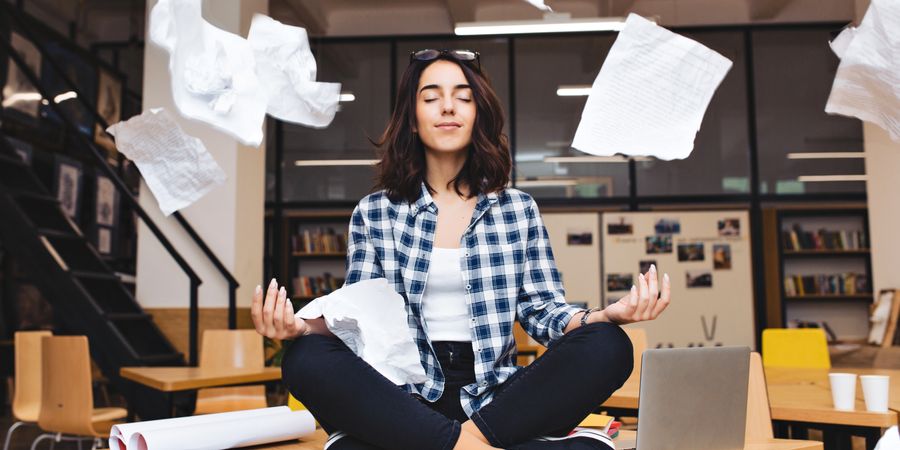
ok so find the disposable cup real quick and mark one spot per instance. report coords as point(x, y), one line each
point(843, 390)
point(875, 391)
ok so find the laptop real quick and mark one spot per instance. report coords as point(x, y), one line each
point(692, 399)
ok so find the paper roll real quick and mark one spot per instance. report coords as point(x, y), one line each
point(235, 433)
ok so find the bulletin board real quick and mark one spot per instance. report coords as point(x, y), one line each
point(707, 257)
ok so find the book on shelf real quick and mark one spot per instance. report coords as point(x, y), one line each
point(799, 239)
point(826, 284)
point(305, 286)
point(318, 240)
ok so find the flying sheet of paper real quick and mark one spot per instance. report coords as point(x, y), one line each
point(371, 318)
point(287, 72)
point(539, 4)
point(177, 167)
point(213, 71)
point(650, 95)
point(867, 83)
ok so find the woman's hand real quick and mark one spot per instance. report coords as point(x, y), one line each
point(274, 318)
point(646, 301)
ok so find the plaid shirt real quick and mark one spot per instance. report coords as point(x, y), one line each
point(506, 263)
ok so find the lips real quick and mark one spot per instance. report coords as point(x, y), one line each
point(449, 125)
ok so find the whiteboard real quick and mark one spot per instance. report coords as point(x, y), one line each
point(707, 257)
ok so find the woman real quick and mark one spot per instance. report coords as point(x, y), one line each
point(470, 257)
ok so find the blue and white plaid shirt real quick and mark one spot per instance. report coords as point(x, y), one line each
point(507, 267)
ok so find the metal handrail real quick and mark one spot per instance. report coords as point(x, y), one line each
point(233, 284)
point(195, 280)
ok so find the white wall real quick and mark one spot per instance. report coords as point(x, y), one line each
point(883, 186)
point(229, 218)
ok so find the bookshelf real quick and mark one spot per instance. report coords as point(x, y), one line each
point(824, 269)
point(313, 253)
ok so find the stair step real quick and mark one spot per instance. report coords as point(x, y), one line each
point(40, 196)
point(49, 232)
point(93, 275)
point(116, 317)
point(10, 160)
point(162, 359)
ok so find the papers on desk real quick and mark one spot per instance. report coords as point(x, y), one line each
point(650, 95)
point(371, 318)
point(867, 83)
point(214, 431)
point(177, 167)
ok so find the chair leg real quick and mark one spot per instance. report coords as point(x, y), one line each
point(9, 433)
point(40, 438)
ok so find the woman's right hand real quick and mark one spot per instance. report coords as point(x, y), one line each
point(273, 316)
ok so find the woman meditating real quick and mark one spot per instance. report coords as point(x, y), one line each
point(471, 257)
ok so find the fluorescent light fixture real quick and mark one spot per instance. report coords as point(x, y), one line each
point(334, 162)
point(820, 178)
point(573, 90)
point(547, 182)
point(346, 97)
point(12, 99)
point(65, 96)
point(827, 155)
point(592, 159)
point(539, 26)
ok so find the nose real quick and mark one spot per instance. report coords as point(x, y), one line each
point(447, 105)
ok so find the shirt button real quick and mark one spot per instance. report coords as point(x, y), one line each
point(483, 384)
point(468, 287)
point(467, 253)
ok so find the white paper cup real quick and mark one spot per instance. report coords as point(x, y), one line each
point(875, 391)
point(843, 390)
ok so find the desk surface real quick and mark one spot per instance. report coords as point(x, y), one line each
point(318, 440)
point(802, 395)
point(170, 379)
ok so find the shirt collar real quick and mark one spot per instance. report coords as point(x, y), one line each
point(425, 201)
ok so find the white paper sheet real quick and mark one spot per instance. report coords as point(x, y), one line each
point(287, 72)
point(213, 71)
point(890, 440)
point(867, 83)
point(234, 433)
point(177, 167)
point(650, 95)
point(120, 434)
point(371, 318)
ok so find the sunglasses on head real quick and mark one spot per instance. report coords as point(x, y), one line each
point(429, 54)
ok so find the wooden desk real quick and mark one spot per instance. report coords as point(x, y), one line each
point(627, 437)
point(171, 379)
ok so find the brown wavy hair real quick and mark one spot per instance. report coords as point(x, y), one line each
point(401, 169)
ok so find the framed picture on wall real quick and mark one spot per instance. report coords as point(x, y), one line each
point(109, 105)
point(68, 185)
point(18, 92)
point(107, 204)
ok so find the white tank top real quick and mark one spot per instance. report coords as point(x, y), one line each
point(444, 305)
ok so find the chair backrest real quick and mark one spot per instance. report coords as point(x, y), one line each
point(27, 398)
point(67, 402)
point(759, 417)
point(638, 338)
point(795, 347)
point(232, 349)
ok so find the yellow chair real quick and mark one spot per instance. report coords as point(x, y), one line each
point(231, 349)
point(795, 347)
point(67, 398)
point(27, 398)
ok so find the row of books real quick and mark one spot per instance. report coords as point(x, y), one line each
point(318, 240)
point(316, 286)
point(838, 284)
point(798, 239)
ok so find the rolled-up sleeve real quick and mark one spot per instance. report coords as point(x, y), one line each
point(362, 260)
point(541, 306)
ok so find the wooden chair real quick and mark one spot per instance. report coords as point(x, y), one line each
point(638, 338)
point(759, 416)
point(526, 347)
point(67, 400)
point(795, 347)
point(27, 398)
point(231, 349)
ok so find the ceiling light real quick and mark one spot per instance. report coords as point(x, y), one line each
point(827, 155)
point(346, 97)
point(12, 99)
point(593, 159)
point(818, 178)
point(65, 96)
point(573, 90)
point(334, 162)
point(539, 26)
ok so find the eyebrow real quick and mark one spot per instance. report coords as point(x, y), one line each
point(434, 86)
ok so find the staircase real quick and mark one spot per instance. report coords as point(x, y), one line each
point(86, 295)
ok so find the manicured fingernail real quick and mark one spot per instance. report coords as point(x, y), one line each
point(653, 267)
point(666, 276)
point(633, 287)
point(641, 277)
point(258, 289)
point(273, 284)
point(282, 292)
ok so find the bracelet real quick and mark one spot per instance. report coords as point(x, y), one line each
point(587, 312)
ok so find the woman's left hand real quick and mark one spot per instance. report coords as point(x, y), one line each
point(646, 301)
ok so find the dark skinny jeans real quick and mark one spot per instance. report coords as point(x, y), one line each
point(549, 397)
